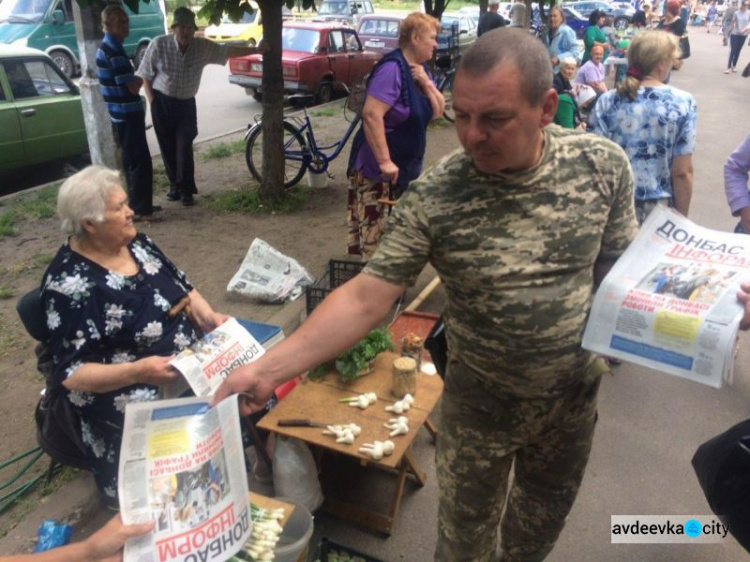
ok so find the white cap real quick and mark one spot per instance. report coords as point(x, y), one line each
point(492, 2)
point(585, 95)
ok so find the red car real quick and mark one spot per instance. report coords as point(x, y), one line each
point(315, 57)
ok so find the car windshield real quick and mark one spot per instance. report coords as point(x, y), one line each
point(305, 40)
point(23, 11)
point(334, 8)
point(246, 18)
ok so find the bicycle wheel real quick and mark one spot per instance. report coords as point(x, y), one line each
point(446, 88)
point(295, 150)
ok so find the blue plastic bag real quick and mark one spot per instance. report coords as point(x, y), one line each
point(52, 534)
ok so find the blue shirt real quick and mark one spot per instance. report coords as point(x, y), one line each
point(658, 125)
point(562, 44)
point(115, 71)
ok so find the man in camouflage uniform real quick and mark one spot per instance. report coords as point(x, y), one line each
point(520, 224)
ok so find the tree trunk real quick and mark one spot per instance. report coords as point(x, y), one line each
point(272, 88)
point(482, 7)
point(436, 7)
point(101, 139)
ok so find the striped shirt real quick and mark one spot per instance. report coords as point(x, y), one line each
point(177, 74)
point(115, 72)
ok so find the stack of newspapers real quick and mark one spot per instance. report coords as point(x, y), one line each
point(670, 302)
point(182, 462)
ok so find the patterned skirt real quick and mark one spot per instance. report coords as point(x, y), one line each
point(366, 217)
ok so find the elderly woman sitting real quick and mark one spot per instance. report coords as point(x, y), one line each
point(108, 294)
point(567, 114)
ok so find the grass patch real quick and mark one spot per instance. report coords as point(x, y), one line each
point(7, 219)
point(40, 205)
point(326, 112)
point(248, 200)
point(8, 335)
point(6, 293)
point(160, 181)
point(224, 150)
point(441, 123)
point(42, 260)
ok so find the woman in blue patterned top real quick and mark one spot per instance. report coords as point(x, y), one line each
point(654, 123)
point(108, 294)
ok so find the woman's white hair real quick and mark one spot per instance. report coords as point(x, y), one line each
point(84, 196)
point(568, 61)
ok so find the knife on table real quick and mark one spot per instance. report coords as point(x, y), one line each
point(301, 423)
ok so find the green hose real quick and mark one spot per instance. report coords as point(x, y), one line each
point(10, 497)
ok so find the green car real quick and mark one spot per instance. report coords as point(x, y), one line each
point(48, 25)
point(41, 118)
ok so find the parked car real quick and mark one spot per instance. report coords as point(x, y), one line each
point(315, 57)
point(48, 25)
point(246, 32)
point(472, 12)
point(41, 118)
point(343, 11)
point(379, 32)
point(575, 20)
point(621, 17)
point(458, 31)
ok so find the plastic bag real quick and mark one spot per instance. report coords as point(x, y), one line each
point(722, 465)
point(295, 475)
point(267, 275)
point(52, 534)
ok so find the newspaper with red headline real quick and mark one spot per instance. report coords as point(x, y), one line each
point(182, 466)
point(207, 362)
point(670, 302)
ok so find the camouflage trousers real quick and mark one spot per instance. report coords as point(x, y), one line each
point(366, 217)
point(547, 442)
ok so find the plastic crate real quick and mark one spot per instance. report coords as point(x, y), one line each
point(327, 551)
point(337, 273)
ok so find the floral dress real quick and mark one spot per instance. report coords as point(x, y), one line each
point(659, 124)
point(99, 316)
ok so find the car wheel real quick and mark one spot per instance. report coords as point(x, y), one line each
point(622, 23)
point(257, 96)
point(139, 53)
point(64, 62)
point(251, 43)
point(325, 92)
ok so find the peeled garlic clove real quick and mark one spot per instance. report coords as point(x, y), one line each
point(388, 447)
point(408, 398)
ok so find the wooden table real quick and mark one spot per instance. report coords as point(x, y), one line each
point(318, 401)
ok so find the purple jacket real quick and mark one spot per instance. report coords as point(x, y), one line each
point(735, 177)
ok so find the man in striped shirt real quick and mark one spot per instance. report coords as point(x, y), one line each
point(120, 87)
point(171, 70)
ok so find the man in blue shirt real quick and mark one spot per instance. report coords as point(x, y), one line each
point(120, 87)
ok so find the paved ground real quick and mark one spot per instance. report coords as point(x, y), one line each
point(650, 424)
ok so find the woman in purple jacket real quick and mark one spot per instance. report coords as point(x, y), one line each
point(388, 150)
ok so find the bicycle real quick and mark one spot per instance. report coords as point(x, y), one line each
point(301, 150)
point(444, 83)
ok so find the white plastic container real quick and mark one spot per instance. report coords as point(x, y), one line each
point(294, 542)
point(317, 180)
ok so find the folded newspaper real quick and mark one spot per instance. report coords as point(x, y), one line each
point(670, 301)
point(206, 363)
point(267, 275)
point(182, 466)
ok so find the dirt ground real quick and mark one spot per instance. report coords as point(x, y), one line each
point(208, 245)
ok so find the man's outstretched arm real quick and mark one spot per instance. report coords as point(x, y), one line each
point(342, 319)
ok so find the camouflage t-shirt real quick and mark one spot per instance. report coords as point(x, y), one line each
point(516, 255)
